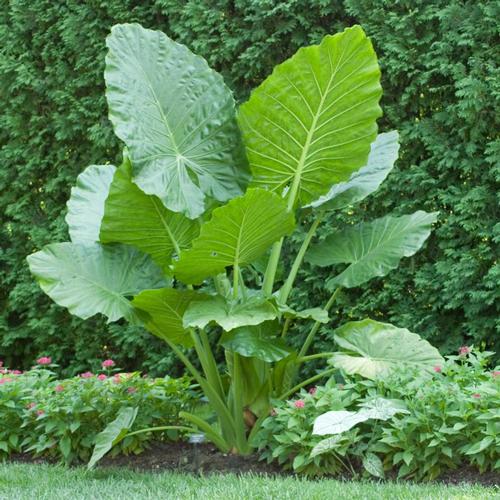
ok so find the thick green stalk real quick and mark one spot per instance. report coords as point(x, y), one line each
point(210, 432)
point(236, 275)
point(293, 390)
point(272, 266)
point(163, 428)
point(212, 364)
point(314, 356)
point(317, 324)
point(237, 384)
point(287, 287)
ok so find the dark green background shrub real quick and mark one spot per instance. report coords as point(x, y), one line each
point(440, 78)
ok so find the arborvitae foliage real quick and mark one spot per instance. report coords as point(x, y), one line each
point(440, 77)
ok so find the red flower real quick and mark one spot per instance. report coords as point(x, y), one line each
point(59, 388)
point(299, 403)
point(44, 360)
point(16, 372)
point(464, 350)
point(437, 369)
point(40, 412)
point(30, 406)
point(102, 376)
point(476, 395)
point(108, 363)
point(87, 375)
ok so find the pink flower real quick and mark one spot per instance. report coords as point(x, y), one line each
point(16, 372)
point(273, 413)
point(108, 363)
point(87, 375)
point(30, 406)
point(131, 390)
point(4, 380)
point(40, 412)
point(1, 363)
point(44, 360)
point(59, 388)
point(312, 391)
point(437, 369)
point(464, 350)
point(102, 376)
point(476, 395)
point(496, 373)
point(299, 403)
point(116, 378)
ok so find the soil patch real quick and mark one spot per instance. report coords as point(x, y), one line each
point(206, 459)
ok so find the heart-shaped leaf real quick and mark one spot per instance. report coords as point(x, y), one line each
point(91, 279)
point(177, 118)
point(372, 248)
point(237, 234)
point(310, 124)
point(373, 349)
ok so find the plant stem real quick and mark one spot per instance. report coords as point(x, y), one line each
point(317, 324)
point(285, 327)
point(163, 428)
point(272, 266)
point(240, 432)
point(236, 275)
point(287, 287)
point(293, 390)
point(314, 356)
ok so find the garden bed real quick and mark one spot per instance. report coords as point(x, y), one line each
point(206, 459)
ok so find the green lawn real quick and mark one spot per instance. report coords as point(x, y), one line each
point(40, 482)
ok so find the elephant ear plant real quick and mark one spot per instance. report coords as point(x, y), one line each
point(172, 238)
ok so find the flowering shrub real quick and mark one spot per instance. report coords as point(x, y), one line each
point(61, 418)
point(452, 419)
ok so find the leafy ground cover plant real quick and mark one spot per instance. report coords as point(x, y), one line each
point(185, 237)
point(422, 425)
point(62, 418)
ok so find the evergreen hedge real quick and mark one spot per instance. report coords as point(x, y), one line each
point(441, 82)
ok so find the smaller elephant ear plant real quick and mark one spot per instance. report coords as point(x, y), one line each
point(174, 236)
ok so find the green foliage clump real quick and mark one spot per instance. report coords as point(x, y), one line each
point(44, 416)
point(450, 419)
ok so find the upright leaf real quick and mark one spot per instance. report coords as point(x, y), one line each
point(310, 124)
point(372, 248)
point(365, 181)
point(177, 118)
point(166, 308)
point(91, 279)
point(86, 204)
point(135, 218)
point(373, 349)
point(237, 234)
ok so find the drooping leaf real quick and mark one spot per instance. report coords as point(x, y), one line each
point(135, 218)
point(237, 234)
point(227, 314)
point(310, 124)
point(91, 279)
point(372, 248)
point(114, 432)
point(372, 349)
point(325, 445)
point(86, 204)
point(315, 313)
point(365, 181)
point(336, 422)
point(166, 308)
point(177, 118)
point(256, 342)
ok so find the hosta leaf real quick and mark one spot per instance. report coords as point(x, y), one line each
point(114, 432)
point(372, 248)
point(256, 342)
point(229, 315)
point(310, 124)
point(166, 308)
point(135, 218)
point(91, 279)
point(383, 154)
point(177, 118)
point(86, 204)
point(237, 234)
point(372, 349)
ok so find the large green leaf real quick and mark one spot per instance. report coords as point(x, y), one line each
point(372, 248)
point(133, 217)
point(372, 349)
point(237, 234)
point(166, 308)
point(383, 154)
point(310, 124)
point(86, 204)
point(256, 342)
point(177, 118)
point(114, 432)
point(227, 314)
point(91, 279)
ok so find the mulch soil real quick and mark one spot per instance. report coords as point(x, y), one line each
point(206, 459)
